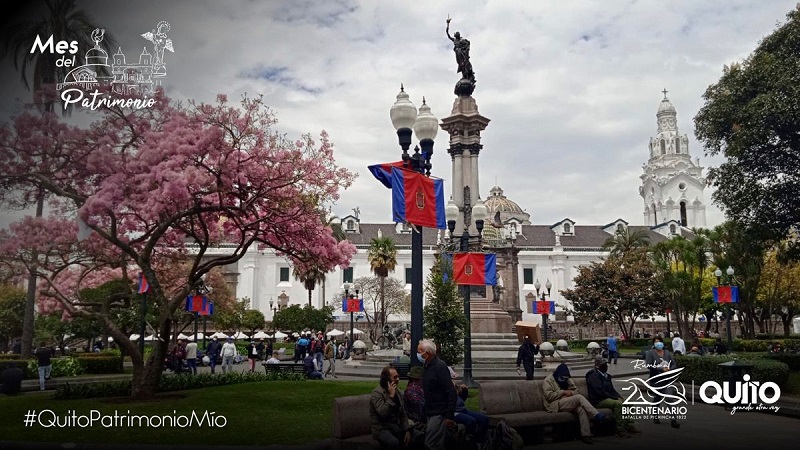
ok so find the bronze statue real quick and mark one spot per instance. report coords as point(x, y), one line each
point(461, 49)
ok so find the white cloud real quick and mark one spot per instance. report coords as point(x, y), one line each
point(571, 88)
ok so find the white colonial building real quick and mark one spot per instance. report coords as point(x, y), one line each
point(672, 188)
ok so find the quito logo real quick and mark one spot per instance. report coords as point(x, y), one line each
point(740, 392)
point(663, 387)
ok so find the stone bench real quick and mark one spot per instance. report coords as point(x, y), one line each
point(284, 367)
point(351, 424)
point(520, 403)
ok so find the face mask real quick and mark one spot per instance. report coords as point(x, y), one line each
point(659, 345)
point(603, 368)
point(420, 358)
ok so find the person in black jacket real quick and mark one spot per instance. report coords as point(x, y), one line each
point(527, 356)
point(440, 395)
point(603, 395)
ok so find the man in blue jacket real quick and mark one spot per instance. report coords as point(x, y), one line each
point(440, 395)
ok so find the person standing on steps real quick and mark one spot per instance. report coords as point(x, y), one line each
point(527, 356)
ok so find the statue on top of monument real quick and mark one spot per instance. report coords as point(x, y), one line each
point(461, 49)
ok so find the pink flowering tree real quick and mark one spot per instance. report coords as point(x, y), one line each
point(203, 183)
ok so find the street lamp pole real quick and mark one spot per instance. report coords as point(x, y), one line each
point(347, 295)
point(478, 212)
point(405, 117)
point(547, 288)
point(718, 274)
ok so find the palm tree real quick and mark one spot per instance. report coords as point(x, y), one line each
point(309, 276)
point(65, 23)
point(382, 260)
point(624, 241)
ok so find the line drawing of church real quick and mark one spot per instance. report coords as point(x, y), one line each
point(140, 77)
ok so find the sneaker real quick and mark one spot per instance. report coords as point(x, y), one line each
point(586, 439)
point(599, 417)
point(622, 434)
point(633, 430)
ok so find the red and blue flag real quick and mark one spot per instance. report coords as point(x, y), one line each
point(352, 305)
point(726, 294)
point(208, 309)
point(417, 199)
point(144, 286)
point(383, 172)
point(196, 303)
point(540, 307)
point(475, 269)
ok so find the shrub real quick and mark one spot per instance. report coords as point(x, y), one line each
point(100, 364)
point(9, 356)
point(66, 366)
point(706, 368)
point(5, 364)
point(792, 360)
point(68, 391)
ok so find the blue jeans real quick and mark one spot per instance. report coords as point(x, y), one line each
point(477, 424)
point(613, 355)
point(192, 363)
point(44, 372)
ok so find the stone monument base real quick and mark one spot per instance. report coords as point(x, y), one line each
point(488, 317)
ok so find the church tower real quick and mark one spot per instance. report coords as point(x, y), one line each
point(672, 184)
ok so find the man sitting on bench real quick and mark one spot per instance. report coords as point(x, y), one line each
point(274, 359)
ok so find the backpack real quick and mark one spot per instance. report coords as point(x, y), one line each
point(503, 437)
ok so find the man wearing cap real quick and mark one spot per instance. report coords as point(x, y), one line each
point(228, 353)
point(527, 356)
point(603, 395)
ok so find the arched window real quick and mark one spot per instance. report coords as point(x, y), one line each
point(672, 229)
point(351, 225)
point(683, 214)
point(677, 145)
point(620, 228)
point(567, 228)
point(663, 147)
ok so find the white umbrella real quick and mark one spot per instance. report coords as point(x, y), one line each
point(134, 337)
point(280, 335)
point(296, 334)
point(152, 337)
point(240, 335)
point(334, 332)
point(183, 336)
point(219, 335)
point(199, 336)
point(260, 335)
point(357, 331)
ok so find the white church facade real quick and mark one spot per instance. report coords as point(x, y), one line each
point(672, 190)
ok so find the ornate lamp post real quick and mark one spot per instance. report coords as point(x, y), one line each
point(544, 292)
point(477, 212)
point(405, 117)
point(718, 274)
point(347, 287)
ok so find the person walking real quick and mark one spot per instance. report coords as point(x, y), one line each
point(659, 360)
point(613, 353)
point(191, 357)
point(228, 353)
point(527, 356)
point(212, 351)
point(330, 355)
point(561, 394)
point(387, 412)
point(43, 355)
point(178, 355)
point(252, 355)
point(440, 395)
point(319, 350)
point(603, 395)
point(260, 347)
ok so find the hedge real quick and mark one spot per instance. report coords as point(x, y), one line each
point(706, 368)
point(100, 364)
point(169, 383)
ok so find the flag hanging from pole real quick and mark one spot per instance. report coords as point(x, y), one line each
point(196, 303)
point(540, 307)
point(208, 309)
point(383, 172)
point(352, 305)
point(475, 269)
point(726, 294)
point(144, 286)
point(417, 199)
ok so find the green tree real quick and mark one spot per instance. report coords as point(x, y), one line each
point(12, 314)
point(752, 117)
point(252, 320)
point(65, 23)
point(619, 289)
point(382, 258)
point(231, 319)
point(395, 300)
point(295, 318)
point(443, 314)
point(625, 241)
point(779, 293)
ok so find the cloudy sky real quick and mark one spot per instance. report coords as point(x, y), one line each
point(571, 87)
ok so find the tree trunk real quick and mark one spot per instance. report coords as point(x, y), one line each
point(309, 298)
point(383, 306)
point(147, 375)
point(30, 299)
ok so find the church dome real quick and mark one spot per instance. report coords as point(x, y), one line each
point(96, 55)
point(665, 106)
point(508, 209)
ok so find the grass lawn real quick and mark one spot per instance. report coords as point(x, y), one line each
point(276, 412)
